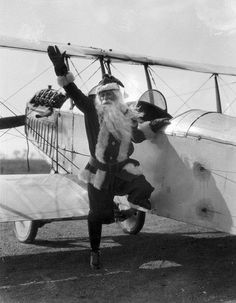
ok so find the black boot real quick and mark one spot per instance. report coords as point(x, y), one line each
point(145, 204)
point(95, 262)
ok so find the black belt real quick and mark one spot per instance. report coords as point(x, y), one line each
point(111, 167)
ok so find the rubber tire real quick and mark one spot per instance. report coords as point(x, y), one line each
point(26, 231)
point(134, 224)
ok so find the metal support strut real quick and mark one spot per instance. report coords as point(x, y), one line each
point(108, 67)
point(149, 84)
point(102, 66)
point(218, 100)
point(105, 65)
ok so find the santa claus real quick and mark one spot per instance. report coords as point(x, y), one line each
point(112, 127)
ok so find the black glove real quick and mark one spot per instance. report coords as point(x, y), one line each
point(156, 124)
point(58, 60)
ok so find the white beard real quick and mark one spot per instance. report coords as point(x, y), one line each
point(112, 117)
point(117, 119)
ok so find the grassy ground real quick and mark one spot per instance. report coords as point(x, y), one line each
point(19, 166)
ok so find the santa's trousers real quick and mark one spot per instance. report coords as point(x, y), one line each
point(102, 207)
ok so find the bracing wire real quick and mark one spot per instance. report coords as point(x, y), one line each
point(12, 106)
point(27, 143)
point(9, 97)
point(220, 172)
point(27, 140)
point(13, 135)
point(234, 99)
point(73, 152)
point(57, 149)
point(40, 74)
point(7, 130)
point(3, 103)
point(50, 158)
point(92, 75)
point(203, 89)
point(228, 179)
point(28, 83)
point(227, 99)
point(83, 70)
point(122, 74)
point(231, 103)
point(167, 85)
point(228, 84)
point(186, 101)
point(190, 92)
point(150, 72)
point(23, 135)
point(79, 73)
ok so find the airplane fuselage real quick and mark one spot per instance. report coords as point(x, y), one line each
point(190, 162)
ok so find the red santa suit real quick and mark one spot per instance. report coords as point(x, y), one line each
point(110, 133)
point(110, 170)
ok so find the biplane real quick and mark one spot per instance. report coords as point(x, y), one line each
point(191, 162)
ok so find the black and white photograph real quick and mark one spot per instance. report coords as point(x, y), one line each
point(117, 151)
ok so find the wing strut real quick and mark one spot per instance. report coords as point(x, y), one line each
point(102, 66)
point(107, 64)
point(149, 83)
point(217, 90)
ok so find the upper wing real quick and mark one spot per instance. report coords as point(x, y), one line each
point(115, 56)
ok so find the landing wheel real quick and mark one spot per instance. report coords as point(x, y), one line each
point(26, 231)
point(134, 224)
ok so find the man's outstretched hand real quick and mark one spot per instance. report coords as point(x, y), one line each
point(156, 124)
point(58, 60)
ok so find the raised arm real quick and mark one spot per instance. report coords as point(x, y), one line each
point(66, 79)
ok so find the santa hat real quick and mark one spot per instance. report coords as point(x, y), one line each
point(93, 91)
point(108, 82)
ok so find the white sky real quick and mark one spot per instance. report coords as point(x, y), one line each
point(191, 30)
